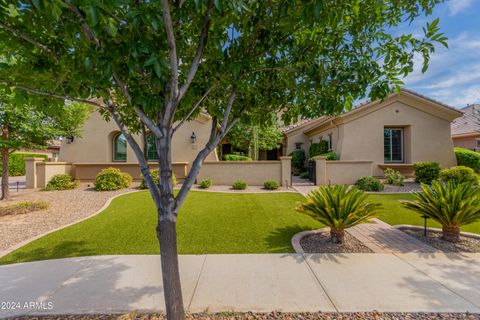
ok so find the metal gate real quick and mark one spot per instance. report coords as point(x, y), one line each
point(311, 171)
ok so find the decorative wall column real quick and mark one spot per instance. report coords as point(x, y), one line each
point(320, 170)
point(31, 172)
point(286, 171)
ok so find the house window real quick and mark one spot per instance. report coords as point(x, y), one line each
point(393, 144)
point(119, 148)
point(151, 148)
point(298, 146)
point(329, 140)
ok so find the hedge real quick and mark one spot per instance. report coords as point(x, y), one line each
point(426, 172)
point(236, 157)
point(317, 149)
point(468, 158)
point(16, 163)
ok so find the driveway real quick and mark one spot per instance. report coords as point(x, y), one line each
point(412, 282)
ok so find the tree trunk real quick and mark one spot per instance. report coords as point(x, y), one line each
point(337, 235)
point(5, 152)
point(167, 235)
point(451, 233)
point(167, 232)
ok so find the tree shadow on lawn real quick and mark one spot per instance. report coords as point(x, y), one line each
point(280, 239)
point(64, 249)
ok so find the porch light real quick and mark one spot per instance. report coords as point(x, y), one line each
point(70, 139)
point(193, 138)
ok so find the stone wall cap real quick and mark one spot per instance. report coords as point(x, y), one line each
point(34, 159)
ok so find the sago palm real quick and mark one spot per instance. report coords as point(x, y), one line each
point(338, 207)
point(452, 205)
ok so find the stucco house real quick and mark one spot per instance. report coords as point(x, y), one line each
point(397, 132)
point(466, 129)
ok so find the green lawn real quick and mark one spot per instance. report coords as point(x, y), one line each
point(208, 223)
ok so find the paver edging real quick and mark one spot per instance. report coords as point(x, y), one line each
point(25, 242)
point(298, 236)
point(409, 226)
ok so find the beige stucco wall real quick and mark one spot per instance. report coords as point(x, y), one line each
point(96, 143)
point(253, 172)
point(347, 172)
point(297, 137)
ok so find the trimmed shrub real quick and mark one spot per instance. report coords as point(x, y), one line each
point(393, 177)
point(426, 172)
point(61, 181)
point(318, 148)
point(459, 174)
point(16, 163)
point(112, 179)
point(271, 185)
point(206, 183)
point(330, 156)
point(236, 157)
point(239, 185)
point(304, 175)
point(468, 158)
point(154, 174)
point(298, 159)
point(369, 184)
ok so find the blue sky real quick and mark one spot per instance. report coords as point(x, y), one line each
point(454, 73)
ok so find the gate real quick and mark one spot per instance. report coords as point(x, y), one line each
point(312, 175)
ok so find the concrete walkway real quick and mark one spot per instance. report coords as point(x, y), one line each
point(379, 236)
point(262, 283)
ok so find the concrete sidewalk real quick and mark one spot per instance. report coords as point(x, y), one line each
point(410, 282)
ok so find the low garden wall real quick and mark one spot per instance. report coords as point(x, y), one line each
point(255, 173)
point(341, 171)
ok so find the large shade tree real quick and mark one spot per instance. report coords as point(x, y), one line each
point(158, 63)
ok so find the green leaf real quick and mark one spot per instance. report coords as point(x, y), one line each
point(218, 5)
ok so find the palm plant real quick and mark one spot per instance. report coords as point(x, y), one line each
point(452, 205)
point(338, 207)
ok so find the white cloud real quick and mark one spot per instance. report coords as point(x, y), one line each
point(457, 6)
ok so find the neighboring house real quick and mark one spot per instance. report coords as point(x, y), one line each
point(52, 150)
point(466, 130)
point(396, 132)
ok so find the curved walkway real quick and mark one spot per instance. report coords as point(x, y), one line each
point(259, 283)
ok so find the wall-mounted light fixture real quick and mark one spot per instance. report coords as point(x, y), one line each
point(193, 138)
point(70, 139)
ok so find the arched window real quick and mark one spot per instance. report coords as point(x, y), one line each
point(151, 148)
point(119, 148)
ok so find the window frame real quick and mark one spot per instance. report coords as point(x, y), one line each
point(114, 148)
point(149, 135)
point(402, 160)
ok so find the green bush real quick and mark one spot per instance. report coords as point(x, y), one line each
point(451, 205)
point(330, 156)
point(394, 177)
point(468, 158)
point(317, 149)
point(426, 172)
point(459, 174)
point(339, 208)
point(61, 181)
point(298, 159)
point(112, 179)
point(239, 185)
point(16, 163)
point(369, 184)
point(304, 175)
point(206, 183)
point(236, 157)
point(154, 174)
point(270, 185)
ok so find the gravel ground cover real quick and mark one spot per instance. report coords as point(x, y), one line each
point(466, 243)
point(408, 186)
point(64, 207)
point(272, 316)
point(321, 243)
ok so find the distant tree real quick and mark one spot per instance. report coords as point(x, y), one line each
point(25, 126)
point(253, 138)
point(158, 63)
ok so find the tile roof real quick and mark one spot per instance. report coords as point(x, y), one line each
point(469, 122)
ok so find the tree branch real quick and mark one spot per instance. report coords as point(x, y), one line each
point(31, 41)
point(226, 114)
point(143, 117)
point(144, 167)
point(51, 94)
point(85, 27)
point(199, 53)
point(195, 107)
